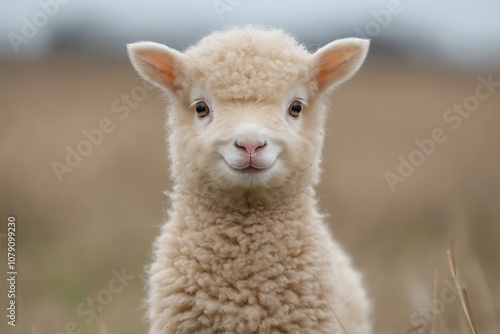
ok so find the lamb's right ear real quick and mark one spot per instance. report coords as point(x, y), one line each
point(157, 63)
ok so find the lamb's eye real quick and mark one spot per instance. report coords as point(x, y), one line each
point(295, 108)
point(202, 109)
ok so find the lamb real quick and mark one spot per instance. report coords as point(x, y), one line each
point(245, 248)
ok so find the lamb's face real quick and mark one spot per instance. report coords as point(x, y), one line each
point(247, 106)
point(247, 143)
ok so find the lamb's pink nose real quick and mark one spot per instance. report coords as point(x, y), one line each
point(250, 145)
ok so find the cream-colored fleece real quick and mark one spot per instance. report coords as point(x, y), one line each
point(244, 248)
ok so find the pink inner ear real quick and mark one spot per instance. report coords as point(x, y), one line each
point(334, 65)
point(161, 67)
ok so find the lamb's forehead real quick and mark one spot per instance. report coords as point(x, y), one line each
point(249, 63)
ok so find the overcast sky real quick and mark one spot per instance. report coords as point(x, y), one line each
point(458, 32)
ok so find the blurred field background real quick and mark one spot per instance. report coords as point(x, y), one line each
point(74, 235)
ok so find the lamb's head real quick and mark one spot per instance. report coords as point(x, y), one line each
point(247, 106)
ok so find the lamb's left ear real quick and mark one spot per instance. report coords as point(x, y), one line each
point(338, 61)
point(157, 63)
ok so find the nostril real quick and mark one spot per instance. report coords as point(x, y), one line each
point(250, 146)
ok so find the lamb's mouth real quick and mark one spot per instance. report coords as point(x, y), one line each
point(251, 168)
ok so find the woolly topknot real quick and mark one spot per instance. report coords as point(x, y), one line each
point(248, 63)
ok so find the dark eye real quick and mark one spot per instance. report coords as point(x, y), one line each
point(295, 108)
point(202, 109)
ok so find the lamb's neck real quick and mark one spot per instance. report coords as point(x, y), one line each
point(277, 208)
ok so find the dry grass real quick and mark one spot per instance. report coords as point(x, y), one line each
point(463, 297)
point(101, 324)
point(462, 290)
point(105, 214)
point(434, 307)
